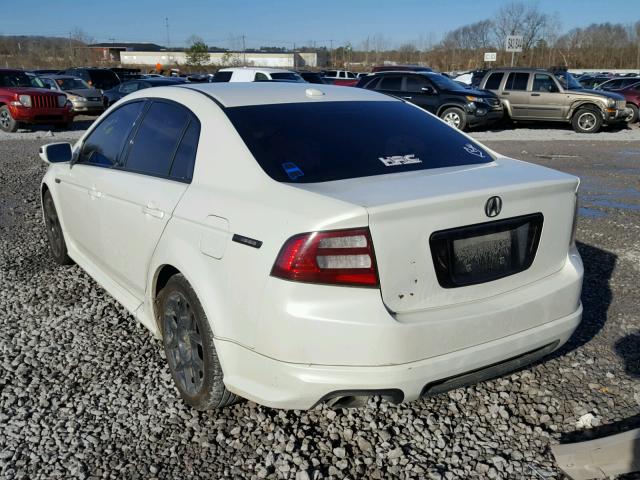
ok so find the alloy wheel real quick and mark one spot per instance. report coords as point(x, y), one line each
point(185, 353)
point(587, 121)
point(453, 119)
point(4, 119)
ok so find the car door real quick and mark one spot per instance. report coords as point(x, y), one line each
point(515, 93)
point(419, 90)
point(78, 190)
point(140, 194)
point(546, 100)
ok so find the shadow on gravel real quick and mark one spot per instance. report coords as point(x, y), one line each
point(596, 296)
point(76, 125)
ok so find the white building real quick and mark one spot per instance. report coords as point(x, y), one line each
point(257, 59)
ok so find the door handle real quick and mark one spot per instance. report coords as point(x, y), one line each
point(505, 93)
point(154, 212)
point(535, 94)
point(95, 193)
point(407, 98)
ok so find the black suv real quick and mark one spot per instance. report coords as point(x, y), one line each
point(458, 106)
point(100, 78)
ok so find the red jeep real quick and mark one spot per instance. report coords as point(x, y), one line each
point(21, 103)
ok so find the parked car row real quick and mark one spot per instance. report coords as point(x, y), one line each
point(520, 94)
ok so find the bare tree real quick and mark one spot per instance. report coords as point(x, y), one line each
point(519, 18)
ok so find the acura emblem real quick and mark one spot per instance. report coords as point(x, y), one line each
point(493, 207)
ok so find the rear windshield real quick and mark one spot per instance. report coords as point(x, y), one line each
point(321, 142)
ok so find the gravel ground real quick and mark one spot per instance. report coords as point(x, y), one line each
point(85, 393)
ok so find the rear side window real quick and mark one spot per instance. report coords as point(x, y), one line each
point(103, 145)
point(185, 159)
point(285, 76)
point(494, 80)
point(517, 81)
point(260, 77)
point(391, 82)
point(320, 142)
point(156, 140)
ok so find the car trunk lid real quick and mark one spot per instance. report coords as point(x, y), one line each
point(407, 211)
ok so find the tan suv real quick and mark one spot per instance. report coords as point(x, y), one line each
point(530, 94)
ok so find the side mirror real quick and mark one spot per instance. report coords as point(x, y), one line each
point(428, 90)
point(56, 153)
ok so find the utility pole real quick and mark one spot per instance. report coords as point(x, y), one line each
point(331, 43)
point(244, 53)
point(166, 25)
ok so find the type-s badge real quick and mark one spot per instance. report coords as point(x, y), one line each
point(473, 150)
point(396, 160)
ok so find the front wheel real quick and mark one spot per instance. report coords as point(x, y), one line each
point(455, 117)
point(633, 116)
point(188, 345)
point(57, 245)
point(586, 121)
point(7, 122)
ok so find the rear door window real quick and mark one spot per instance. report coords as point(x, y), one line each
point(260, 77)
point(392, 83)
point(494, 80)
point(152, 150)
point(517, 81)
point(185, 159)
point(104, 144)
point(320, 142)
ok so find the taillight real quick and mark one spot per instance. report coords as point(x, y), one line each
point(338, 257)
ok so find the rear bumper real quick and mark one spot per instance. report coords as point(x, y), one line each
point(294, 386)
point(311, 341)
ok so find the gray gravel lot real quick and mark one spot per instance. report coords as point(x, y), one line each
point(85, 393)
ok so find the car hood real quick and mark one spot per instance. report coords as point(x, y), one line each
point(85, 92)
point(602, 93)
point(30, 91)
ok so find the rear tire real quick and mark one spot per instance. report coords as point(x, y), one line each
point(7, 122)
point(57, 245)
point(586, 121)
point(455, 117)
point(633, 118)
point(188, 345)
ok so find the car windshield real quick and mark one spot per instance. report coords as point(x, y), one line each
point(320, 142)
point(286, 76)
point(445, 83)
point(37, 82)
point(568, 81)
point(15, 79)
point(71, 83)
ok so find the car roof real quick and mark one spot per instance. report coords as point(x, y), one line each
point(256, 69)
point(263, 93)
point(55, 76)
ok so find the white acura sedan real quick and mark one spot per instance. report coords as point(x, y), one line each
point(294, 245)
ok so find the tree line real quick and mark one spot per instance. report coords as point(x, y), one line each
point(603, 46)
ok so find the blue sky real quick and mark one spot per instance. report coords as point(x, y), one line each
point(284, 22)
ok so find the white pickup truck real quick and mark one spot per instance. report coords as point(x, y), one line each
point(254, 74)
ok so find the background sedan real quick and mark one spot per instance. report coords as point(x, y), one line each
point(85, 99)
point(124, 89)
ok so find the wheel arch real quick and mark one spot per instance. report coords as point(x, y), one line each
point(588, 104)
point(444, 106)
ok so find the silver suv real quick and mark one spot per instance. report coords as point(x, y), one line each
point(530, 94)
